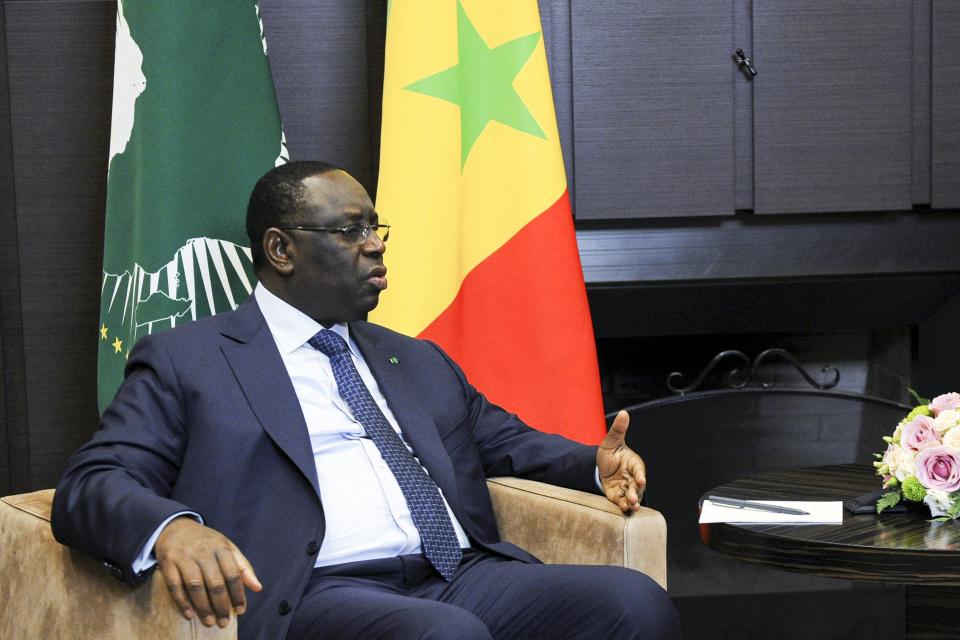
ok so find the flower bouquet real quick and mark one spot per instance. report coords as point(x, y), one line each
point(922, 460)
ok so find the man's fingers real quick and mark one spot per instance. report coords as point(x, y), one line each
point(248, 575)
point(171, 576)
point(238, 573)
point(640, 477)
point(205, 572)
point(196, 590)
point(218, 592)
point(632, 496)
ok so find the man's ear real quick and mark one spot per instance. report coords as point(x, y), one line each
point(277, 247)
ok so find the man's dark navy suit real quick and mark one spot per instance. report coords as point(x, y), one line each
point(207, 420)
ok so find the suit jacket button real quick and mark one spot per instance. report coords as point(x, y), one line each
point(114, 570)
point(283, 608)
point(312, 547)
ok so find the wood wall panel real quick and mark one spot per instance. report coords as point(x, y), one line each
point(60, 57)
point(743, 107)
point(921, 101)
point(653, 108)
point(766, 247)
point(832, 106)
point(798, 306)
point(946, 104)
point(318, 55)
point(14, 443)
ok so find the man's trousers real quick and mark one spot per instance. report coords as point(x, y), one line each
point(490, 597)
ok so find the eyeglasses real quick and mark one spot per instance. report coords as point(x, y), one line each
point(352, 234)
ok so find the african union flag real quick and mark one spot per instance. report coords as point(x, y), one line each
point(195, 124)
point(483, 257)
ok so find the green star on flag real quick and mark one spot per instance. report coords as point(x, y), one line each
point(481, 84)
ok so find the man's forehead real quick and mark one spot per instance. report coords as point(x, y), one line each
point(336, 192)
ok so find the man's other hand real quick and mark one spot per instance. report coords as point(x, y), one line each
point(623, 474)
point(205, 572)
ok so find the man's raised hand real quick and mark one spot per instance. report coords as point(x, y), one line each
point(204, 571)
point(623, 473)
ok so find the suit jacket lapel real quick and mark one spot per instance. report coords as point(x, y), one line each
point(397, 382)
point(262, 376)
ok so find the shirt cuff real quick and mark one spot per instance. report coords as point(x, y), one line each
point(146, 559)
point(596, 478)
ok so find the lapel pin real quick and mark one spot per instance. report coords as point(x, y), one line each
point(394, 360)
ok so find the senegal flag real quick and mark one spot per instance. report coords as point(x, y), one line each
point(195, 124)
point(482, 256)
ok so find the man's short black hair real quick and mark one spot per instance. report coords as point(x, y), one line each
point(277, 199)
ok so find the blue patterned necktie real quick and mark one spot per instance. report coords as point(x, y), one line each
point(440, 543)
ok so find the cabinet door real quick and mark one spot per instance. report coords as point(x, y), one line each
point(945, 126)
point(832, 105)
point(653, 108)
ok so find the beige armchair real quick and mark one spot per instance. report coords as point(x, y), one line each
point(49, 591)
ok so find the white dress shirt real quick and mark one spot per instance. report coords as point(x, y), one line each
point(365, 511)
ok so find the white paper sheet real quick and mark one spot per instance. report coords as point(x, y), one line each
point(819, 513)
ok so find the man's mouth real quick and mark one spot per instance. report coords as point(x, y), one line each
point(378, 278)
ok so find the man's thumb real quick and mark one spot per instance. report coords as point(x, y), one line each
point(618, 429)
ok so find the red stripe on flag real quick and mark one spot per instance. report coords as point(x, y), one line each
point(520, 328)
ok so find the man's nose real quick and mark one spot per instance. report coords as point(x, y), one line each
point(373, 244)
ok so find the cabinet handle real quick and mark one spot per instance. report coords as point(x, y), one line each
point(744, 62)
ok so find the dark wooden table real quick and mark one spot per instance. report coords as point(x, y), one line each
point(901, 548)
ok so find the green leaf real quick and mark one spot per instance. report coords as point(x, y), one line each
point(954, 511)
point(888, 500)
point(916, 397)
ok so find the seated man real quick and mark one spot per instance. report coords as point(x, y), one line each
point(344, 462)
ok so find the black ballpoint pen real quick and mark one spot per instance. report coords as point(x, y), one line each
point(759, 506)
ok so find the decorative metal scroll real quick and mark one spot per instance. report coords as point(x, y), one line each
point(739, 378)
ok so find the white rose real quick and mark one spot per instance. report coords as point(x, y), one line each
point(899, 430)
point(901, 463)
point(946, 420)
point(938, 501)
point(952, 438)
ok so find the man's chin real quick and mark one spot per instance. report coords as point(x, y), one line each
point(370, 303)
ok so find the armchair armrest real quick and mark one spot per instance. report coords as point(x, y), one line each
point(51, 591)
point(561, 525)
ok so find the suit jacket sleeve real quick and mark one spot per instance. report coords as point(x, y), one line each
point(509, 447)
point(113, 492)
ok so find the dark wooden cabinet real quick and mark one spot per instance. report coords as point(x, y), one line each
point(854, 108)
point(832, 115)
point(653, 108)
point(945, 99)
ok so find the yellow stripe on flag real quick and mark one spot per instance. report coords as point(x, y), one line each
point(447, 219)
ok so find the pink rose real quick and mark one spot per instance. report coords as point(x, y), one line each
point(919, 434)
point(939, 468)
point(943, 402)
